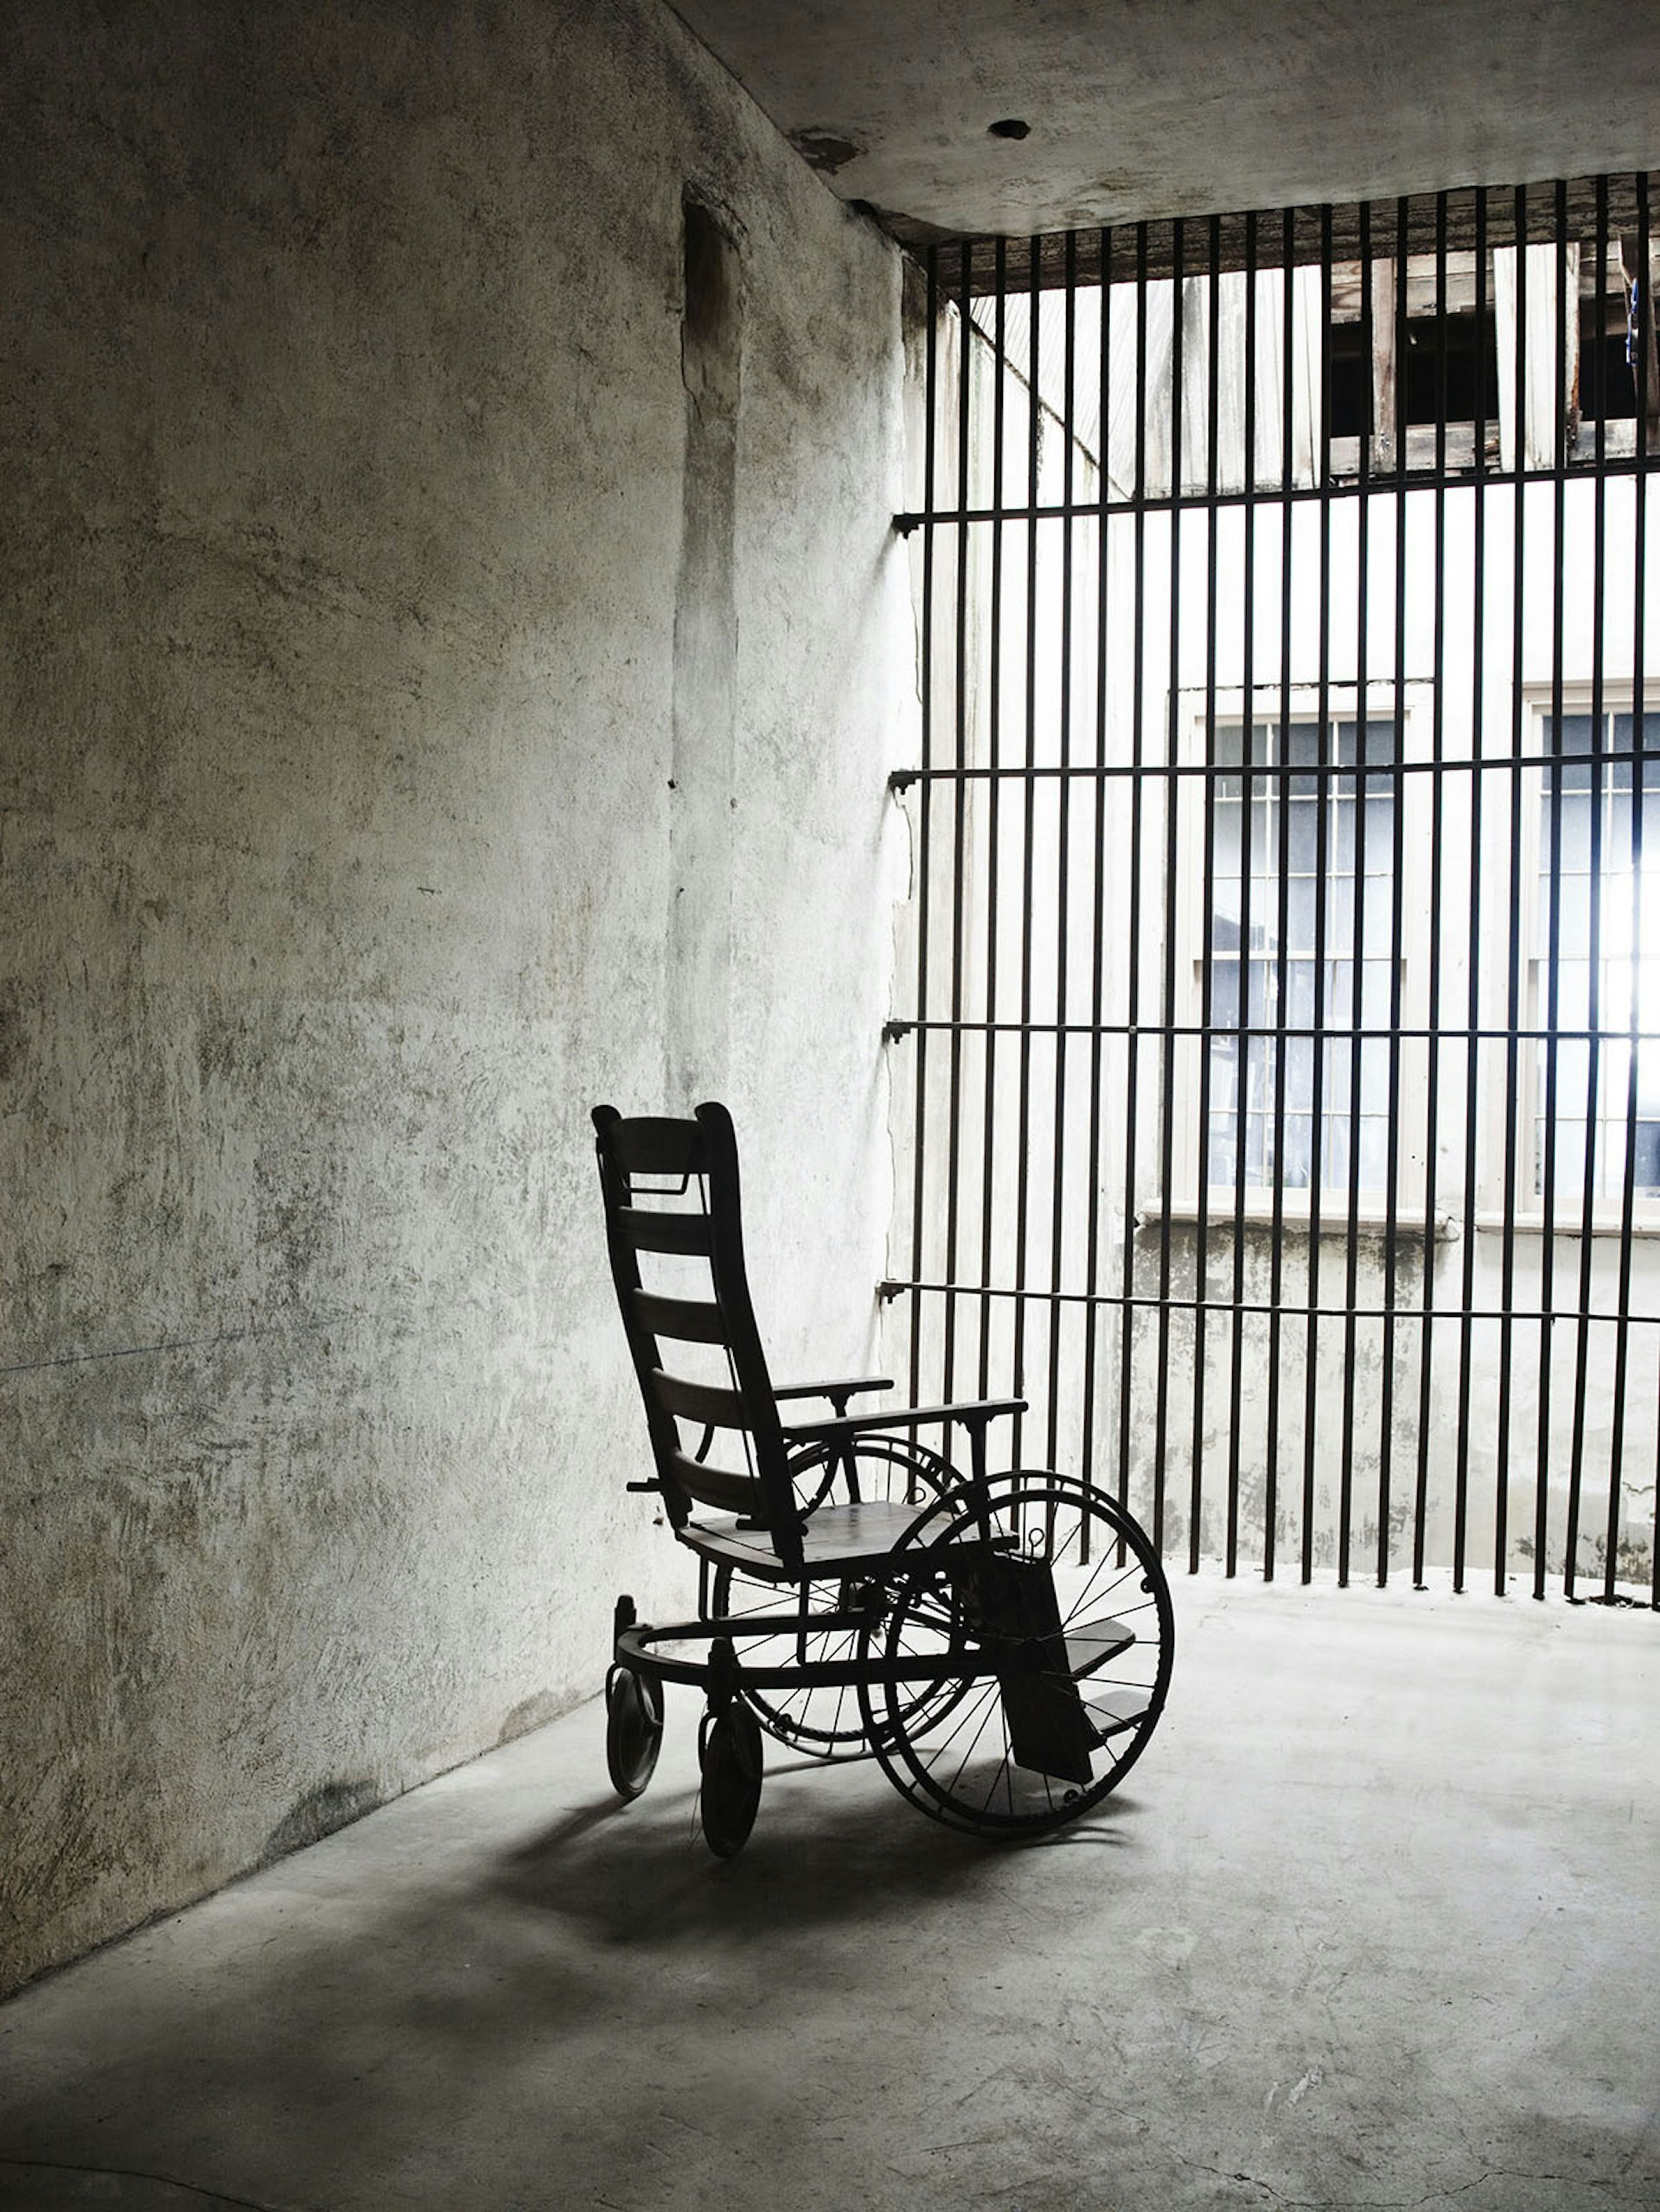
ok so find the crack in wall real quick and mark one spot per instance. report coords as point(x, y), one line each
point(208, 2196)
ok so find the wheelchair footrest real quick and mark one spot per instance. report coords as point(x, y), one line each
point(1092, 1643)
point(1110, 1711)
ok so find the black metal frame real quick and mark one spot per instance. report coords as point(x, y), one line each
point(959, 1129)
point(636, 1647)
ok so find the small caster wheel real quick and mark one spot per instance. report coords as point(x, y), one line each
point(634, 1729)
point(729, 1750)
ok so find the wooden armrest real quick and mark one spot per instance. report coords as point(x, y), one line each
point(971, 1412)
point(841, 1390)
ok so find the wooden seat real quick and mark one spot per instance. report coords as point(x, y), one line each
point(835, 1540)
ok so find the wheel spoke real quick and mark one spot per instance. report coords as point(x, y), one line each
point(992, 1705)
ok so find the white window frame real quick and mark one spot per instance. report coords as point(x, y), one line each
point(1267, 1203)
point(1540, 703)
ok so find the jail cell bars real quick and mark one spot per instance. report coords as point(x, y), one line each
point(1277, 1042)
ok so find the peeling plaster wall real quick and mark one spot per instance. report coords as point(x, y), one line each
point(342, 458)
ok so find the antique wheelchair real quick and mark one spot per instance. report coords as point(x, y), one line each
point(1000, 1644)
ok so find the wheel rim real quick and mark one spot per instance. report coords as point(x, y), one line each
point(634, 1730)
point(957, 1765)
point(824, 1723)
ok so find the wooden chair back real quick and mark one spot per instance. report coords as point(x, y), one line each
point(674, 1228)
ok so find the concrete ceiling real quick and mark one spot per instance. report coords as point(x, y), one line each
point(1146, 108)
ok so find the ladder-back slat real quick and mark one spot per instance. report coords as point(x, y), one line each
point(648, 1146)
point(716, 1486)
point(715, 1406)
point(688, 1320)
point(665, 1232)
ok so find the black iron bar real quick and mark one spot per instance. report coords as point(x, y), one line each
point(1512, 1058)
point(959, 837)
point(930, 443)
point(1322, 853)
point(1397, 885)
point(1370, 433)
point(993, 822)
point(1282, 916)
point(1098, 894)
point(1437, 835)
point(1022, 1141)
point(1646, 370)
point(1337, 1032)
point(1198, 771)
point(1172, 847)
point(1062, 836)
point(1242, 1001)
point(1127, 1394)
point(1642, 370)
point(1208, 870)
point(1474, 975)
point(1553, 933)
point(1343, 487)
point(1181, 1302)
point(1599, 550)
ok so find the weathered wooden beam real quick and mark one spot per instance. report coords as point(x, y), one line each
point(1384, 365)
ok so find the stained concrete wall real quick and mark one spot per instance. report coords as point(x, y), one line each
point(357, 758)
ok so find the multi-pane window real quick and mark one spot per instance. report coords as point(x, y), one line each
point(1597, 961)
point(1300, 937)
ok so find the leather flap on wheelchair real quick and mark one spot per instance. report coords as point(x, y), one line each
point(1010, 1601)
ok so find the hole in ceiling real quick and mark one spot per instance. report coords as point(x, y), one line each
point(1010, 126)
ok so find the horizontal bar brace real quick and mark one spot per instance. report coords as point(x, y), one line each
point(1287, 1310)
point(1203, 501)
point(1383, 772)
point(1256, 241)
point(893, 1031)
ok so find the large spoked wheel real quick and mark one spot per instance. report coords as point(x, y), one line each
point(634, 1729)
point(730, 1755)
point(826, 1723)
point(1058, 1696)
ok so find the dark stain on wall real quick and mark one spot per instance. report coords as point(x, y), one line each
point(11, 1042)
point(825, 151)
point(319, 1813)
point(708, 330)
point(706, 658)
point(531, 1712)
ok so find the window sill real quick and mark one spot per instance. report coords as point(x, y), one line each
point(1293, 1220)
point(1533, 1224)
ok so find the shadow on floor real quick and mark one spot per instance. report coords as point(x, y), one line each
point(829, 1850)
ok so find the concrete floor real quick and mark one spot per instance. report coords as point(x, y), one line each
point(1375, 1923)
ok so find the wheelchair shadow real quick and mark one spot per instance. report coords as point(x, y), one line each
point(822, 1854)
